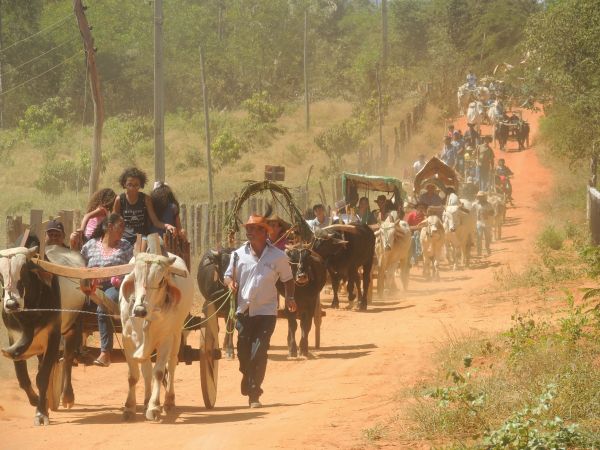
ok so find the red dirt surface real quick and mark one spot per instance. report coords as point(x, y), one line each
point(325, 401)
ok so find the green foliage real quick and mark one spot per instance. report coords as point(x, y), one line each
point(193, 158)
point(526, 430)
point(564, 72)
point(349, 135)
point(551, 238)
point(130, 136)
point(227, 149)
point(44, 124)
point(57, 176)
point(52, 113)
point(590, 254)
point(261, 110)
point(374, 433)
point(8, 140)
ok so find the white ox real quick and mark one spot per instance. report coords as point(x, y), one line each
point(464, 96)
point(498, 202)
point(432, 244)
point(475, 114)
point(155, 300)
point(392, 248)
point(460, 231)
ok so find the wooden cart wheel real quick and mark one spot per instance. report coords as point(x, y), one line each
point(209, 357)
point(318, 319)
point(55, 385)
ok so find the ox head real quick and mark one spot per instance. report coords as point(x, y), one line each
point(300, 262)
point(150, 283)
point(327, 241)
point(19, 275)
point(386, 234)
point(435, 228)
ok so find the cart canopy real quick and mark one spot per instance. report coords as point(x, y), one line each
point(437, 172)
point(353, 183)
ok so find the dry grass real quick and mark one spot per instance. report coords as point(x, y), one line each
point(293, 148)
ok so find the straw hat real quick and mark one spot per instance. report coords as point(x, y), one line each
point(282, 223)
point(260, 221)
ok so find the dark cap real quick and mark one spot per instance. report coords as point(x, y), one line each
point(55, 225)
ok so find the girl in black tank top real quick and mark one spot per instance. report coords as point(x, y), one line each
point(135, 217)
point(139, 215)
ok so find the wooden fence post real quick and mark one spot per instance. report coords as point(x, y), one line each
point(205, 214)
point(199, 226)
point(193, 231)
point(36, 217)
point(211, 233)
point(67, 221)
point(183, 216)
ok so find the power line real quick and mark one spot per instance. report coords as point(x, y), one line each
point(12, 69)
point(43, 30)
point(43, 73)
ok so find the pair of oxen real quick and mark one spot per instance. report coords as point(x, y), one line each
point(39, 309)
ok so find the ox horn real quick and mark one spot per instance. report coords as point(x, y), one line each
point(342, 227)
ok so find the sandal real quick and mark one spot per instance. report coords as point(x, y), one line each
point(102, 362)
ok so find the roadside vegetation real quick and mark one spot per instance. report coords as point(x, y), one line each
point(536, 384)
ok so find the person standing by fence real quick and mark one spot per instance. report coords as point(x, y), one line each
point(253, 270)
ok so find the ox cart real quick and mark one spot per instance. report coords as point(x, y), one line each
point(512, 128)
point(438, 173)
point(358, 185)
point(207, 354)
point(353, 185)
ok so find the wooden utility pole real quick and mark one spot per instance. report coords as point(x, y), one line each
point(90, 51)
point(306, 99)
point(206, 131)
point(384, 35)
point(382, 151)
point(159, 94)
point(1, 70)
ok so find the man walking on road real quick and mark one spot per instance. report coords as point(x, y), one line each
point(485, 163)
point(253, 270)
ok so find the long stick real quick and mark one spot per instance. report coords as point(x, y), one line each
point(159, 94)
point(306, 99)
point(206, 131)
point(88, 42)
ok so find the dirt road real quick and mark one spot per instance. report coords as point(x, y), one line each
point(324, 401)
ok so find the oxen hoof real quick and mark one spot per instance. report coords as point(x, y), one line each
point(303, 351)
point(41, 419)
point(153, 414)
point(67, 400)
point(169, 404)
point(362, 306)
point(230, 355)
point(293, 353)
point(335, 304)
point(129, 415)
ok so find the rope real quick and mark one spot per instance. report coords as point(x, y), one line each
point(43, 30)
point(41, 74)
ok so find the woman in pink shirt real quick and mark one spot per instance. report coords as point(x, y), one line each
point(99, 207)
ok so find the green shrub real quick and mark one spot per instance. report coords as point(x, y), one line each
point(54, 113)
point(227, 149)
point(8, 140)
point(550, 237)
point(527, 430)
point(56, 176)
point(261, 110)
point(130, 136)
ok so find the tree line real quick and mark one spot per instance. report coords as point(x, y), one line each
point(251, 46)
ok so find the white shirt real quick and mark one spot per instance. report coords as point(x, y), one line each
point(314, 224)
point(256, 278)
